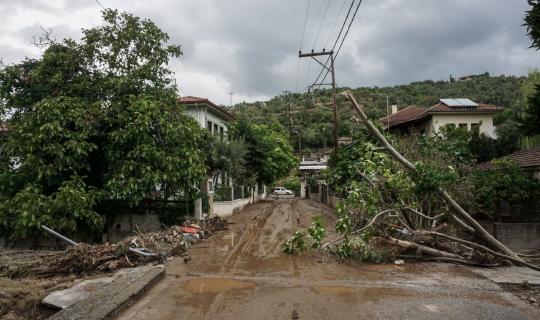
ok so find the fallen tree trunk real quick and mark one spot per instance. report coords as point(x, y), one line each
point(480, 247)
point(422, 249)
point(468, 219)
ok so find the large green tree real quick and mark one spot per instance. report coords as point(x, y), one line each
point(93, 120)
point(270, 156)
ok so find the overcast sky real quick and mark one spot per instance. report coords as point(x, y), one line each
point(250, 47)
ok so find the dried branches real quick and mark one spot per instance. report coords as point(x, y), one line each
point(84, 258)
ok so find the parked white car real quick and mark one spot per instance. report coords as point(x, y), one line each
point(280, 191)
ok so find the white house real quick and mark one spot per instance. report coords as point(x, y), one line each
point(216, 119)
point(462, 113)
point(208, 115)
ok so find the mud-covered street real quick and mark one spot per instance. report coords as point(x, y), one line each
point(241, 273)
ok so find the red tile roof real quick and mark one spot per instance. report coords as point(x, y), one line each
point(191, 100)
point(526, 159)
point(413, 113)
point(410, 113)
point(488, 108)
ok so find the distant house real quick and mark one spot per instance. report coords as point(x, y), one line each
point(208, 114)
point(462, 113)
point(527, 160)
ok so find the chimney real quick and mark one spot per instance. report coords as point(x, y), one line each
point(394, 108)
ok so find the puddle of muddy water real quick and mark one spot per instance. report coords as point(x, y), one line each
point(216, 285)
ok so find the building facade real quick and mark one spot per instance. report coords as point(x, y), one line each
point(462, 113)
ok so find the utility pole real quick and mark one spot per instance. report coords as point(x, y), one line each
point(230, 101)
point(330, 69)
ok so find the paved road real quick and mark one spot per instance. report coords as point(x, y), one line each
point(242, 274)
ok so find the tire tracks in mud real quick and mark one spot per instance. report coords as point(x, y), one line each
point(248, 234)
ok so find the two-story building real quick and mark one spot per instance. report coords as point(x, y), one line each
point(216, 119)
point(462, 113)
point(209, 115)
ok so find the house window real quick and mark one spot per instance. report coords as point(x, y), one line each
point(210, 186)
point(209, 125)
point(463, 126)
point(475, 128)
point(215, 128)
point(221, 130)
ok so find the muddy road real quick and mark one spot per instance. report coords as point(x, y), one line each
point(241, 273)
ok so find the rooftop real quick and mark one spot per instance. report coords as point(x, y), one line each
point(413, 113)
point(526, 159)
point(191, 100)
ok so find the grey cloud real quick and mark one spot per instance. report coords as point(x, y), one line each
point(254, 44)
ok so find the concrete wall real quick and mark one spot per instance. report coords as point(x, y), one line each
point(518, 236)
point(485, 121)
point(228, 208)
point(125, 225)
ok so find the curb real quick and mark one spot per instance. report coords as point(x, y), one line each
point(111, 299)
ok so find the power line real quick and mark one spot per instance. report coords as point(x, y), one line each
point(301, 44)
point(342, 40)
point(335, 23)
point(322, 23)
point(99, 3)
point(349, 27)
point(337, 39)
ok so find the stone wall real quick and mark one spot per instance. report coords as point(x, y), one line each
point(518, 236)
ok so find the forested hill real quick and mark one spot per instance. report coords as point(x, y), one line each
point(315, 122)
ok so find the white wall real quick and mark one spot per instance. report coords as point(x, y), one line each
point(228, 208)
point(485, 121)
point(203, 114)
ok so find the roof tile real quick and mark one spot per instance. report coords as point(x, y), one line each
point(526, 159)
point(187, 100)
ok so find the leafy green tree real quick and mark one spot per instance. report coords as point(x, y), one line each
point(270, 156)
point(529, 120)
point(532, 22)
point(228, 157)
point(505, 182)
point(90, 121)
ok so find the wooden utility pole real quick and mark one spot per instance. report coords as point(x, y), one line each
point(330, 69)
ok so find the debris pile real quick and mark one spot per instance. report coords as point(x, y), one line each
point(84, 258)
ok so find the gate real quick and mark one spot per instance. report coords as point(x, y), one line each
point(324, 193)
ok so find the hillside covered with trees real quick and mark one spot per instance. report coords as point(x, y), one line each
point(310, 121)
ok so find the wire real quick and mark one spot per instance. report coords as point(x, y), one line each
point(341, 44)
point(322, 23)
point(335, 23)
point(335, 43)
point(301, 44)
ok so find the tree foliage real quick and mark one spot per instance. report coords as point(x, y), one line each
point(270, 156)
point(505, 182)
point(312, 118)
point(93, 120)
point(532, 22)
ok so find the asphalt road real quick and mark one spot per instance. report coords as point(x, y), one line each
point(241, 273)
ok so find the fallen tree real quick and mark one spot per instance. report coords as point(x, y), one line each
point(393, 202)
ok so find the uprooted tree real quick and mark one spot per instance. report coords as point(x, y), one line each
point(393, 206)
point(93, 120)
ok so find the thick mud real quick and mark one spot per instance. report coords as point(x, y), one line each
point(241, 273)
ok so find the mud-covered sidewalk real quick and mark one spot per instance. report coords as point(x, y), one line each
point(242, 273)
